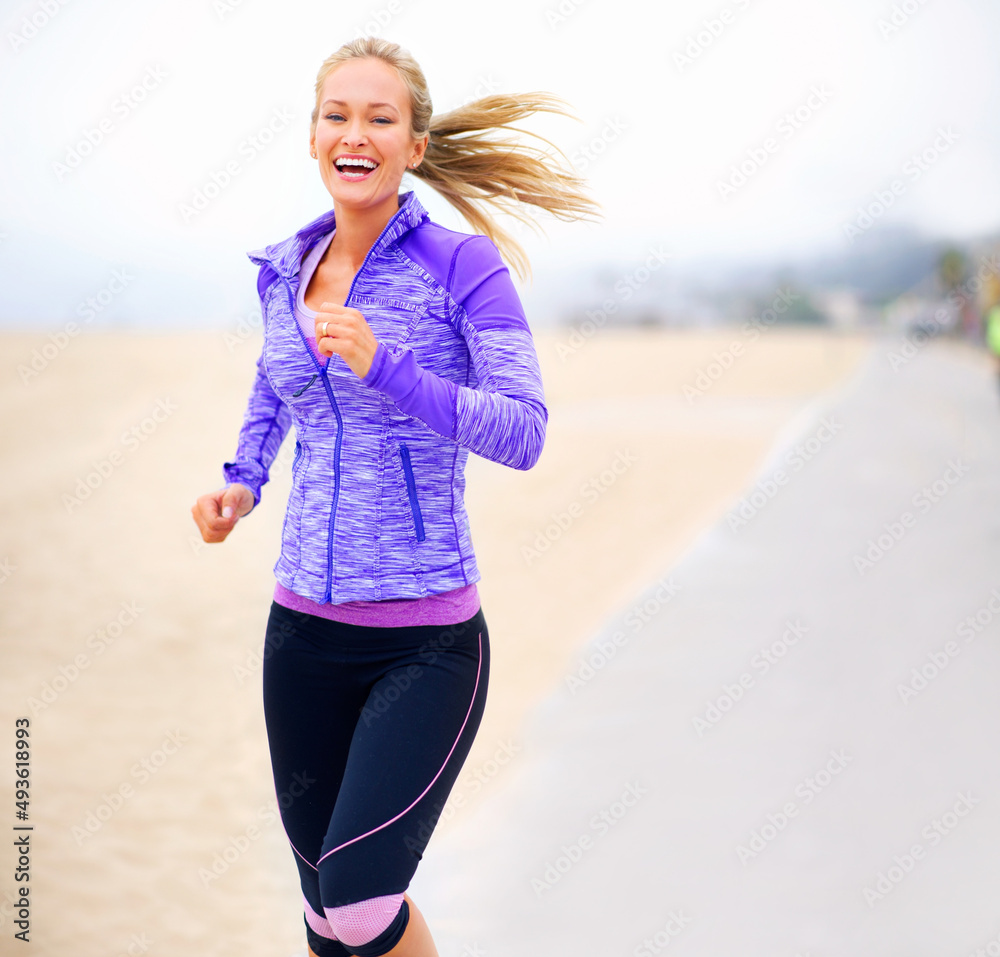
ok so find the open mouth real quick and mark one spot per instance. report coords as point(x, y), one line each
point(355, 169)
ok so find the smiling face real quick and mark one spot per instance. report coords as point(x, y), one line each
point(362, 136)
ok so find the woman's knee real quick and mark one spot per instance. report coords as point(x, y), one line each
point(370, 927)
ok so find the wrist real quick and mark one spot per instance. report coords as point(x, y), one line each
point(375, 365)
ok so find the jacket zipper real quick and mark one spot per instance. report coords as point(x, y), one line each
point(336, 447)
point(340, 421)
point(411, 490)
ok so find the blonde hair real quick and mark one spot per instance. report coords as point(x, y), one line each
point(467, 163)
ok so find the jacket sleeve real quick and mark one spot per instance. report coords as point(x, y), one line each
point(265, 424)
point(504, 418)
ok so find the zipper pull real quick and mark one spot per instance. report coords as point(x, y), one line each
point(295, 395)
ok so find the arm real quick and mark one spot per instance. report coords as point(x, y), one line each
point(265, 425)
point(504, 419)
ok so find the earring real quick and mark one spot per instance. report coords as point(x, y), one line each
point(312, 153)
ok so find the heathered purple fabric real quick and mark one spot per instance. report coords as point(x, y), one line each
point(448, 608)
point(381, 460)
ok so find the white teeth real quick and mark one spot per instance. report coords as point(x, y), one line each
point(345, 161)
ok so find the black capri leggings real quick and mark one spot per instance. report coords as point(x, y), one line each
point(368, 729)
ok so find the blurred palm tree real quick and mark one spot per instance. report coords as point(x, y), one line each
point(952, 272)
point(951, 269)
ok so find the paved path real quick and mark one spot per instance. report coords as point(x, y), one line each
point(807, 778)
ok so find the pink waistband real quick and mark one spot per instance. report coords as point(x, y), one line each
point(446, 608)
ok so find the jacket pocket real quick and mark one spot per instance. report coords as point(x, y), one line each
point(411, 490)
point(297, 459)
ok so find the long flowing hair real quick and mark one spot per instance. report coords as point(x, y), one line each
point(468, 163)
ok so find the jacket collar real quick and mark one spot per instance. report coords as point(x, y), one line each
point(285, 257)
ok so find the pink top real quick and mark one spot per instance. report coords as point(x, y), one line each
point(447, 608)
point(305, 315)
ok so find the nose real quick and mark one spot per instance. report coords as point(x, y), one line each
point(353, 133)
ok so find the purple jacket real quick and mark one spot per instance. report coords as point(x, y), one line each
point(376, 507)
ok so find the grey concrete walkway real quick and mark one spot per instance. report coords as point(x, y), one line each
point(816, 806)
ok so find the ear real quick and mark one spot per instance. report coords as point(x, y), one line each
point(419, 148)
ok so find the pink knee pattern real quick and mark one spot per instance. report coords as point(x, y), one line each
point(319, 924)
point(362, 922)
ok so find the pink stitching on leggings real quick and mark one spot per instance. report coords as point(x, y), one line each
point(479, 669)
point(297, 851)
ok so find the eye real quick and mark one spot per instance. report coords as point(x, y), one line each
point(339, 116)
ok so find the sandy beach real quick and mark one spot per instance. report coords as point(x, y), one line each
point(134, 648)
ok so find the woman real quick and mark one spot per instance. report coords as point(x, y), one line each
point(376, 649)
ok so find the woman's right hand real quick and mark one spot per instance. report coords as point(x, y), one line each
point(216, 513)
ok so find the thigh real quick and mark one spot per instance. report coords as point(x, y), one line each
point(313, 698)
point(414, 734)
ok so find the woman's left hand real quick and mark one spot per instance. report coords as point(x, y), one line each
point(346, 333)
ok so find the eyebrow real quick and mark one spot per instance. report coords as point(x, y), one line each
point(370, 105)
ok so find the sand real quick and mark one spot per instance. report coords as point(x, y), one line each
point(133, 647)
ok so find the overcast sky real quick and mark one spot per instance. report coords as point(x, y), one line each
point(670, 98)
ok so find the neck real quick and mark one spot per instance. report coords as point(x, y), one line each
point(357, 229)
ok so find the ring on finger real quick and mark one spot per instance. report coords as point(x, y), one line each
point(325, 324)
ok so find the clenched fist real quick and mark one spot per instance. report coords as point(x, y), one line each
point(346, 333)
point(217, 513)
